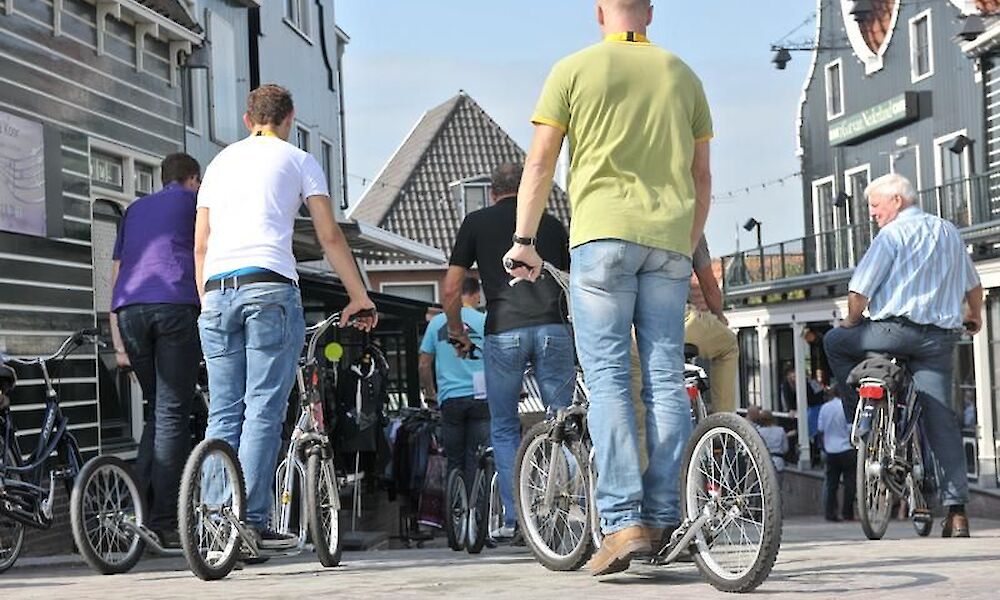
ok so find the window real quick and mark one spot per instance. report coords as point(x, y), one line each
point(423, 292)
point(145, 176)
point(470, 194)
point(856, 205)
point(834, 89)
point(952, 169)
point(225, 103)
point(327, 162)
point(750, 381)
point(302, 138)
point(107, 171)
point(825, 222)
point(297, 15)
point(921, 47)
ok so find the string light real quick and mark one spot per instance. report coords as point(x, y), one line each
point(747, 189)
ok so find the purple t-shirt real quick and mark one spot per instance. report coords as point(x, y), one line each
point(156, 248)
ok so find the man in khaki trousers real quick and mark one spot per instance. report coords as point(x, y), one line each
point(705, 326)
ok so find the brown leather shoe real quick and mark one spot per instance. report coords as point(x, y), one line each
point(955, 525)
point(616, 550)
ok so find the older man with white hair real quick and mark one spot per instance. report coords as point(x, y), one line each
point(913, 281)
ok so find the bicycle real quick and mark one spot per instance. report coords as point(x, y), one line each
point(212, 504)
point(731, 507)
point(112, 537)
point(25, 500)
point(887, 432)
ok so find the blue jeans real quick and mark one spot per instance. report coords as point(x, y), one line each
point(614, 285)
point(929, 354)
point(162, 345)
point(550, 349)
point(252, 338)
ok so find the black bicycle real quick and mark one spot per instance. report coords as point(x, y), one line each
point(28, 487)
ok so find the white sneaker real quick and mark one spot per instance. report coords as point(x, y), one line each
point(504, 533)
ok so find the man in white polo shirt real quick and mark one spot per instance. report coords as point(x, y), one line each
point(252, 325)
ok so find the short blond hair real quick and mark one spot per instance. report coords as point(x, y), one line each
point(626, 6)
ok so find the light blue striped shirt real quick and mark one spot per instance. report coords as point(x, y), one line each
point(917, 268)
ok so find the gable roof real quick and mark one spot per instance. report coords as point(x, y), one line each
point(455, 140)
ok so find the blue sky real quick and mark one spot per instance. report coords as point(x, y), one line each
point(407, 56)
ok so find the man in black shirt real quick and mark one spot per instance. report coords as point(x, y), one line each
point(524, 323)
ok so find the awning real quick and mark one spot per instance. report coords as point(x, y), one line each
point(367, 241)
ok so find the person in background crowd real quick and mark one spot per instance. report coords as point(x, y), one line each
point(525, 323)
point(252, 323)
point(461, 384)
point(775, 439)
point(154, 328)
point(841, 458)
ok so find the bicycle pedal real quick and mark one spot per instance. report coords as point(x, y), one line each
point(922, 515)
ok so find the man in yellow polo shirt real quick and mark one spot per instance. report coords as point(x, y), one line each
point(640, 185)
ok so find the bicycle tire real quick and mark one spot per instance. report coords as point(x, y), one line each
point(498, 514)
point(479, 513)
point(554, 559)
point(874, 518)
point(456, 517)
point(11, 533)
point(742, 449)
point(190, 516)
point(323, 508)
point(100, 480)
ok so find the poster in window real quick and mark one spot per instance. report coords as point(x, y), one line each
point(22, 176)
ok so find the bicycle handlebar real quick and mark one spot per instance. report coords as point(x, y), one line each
point(315, 332)
point(560, 277)
point(84, 336)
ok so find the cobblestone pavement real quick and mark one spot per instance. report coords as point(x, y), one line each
point(817, 560)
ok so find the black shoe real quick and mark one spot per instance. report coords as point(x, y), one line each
point(272, 540)
point(955, 525)
point(833, 519)
point(170, 539)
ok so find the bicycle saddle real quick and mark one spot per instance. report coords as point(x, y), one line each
point(690, 351)
point(879, 366)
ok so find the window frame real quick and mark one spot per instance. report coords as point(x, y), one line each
point(839, 65)
point(926, 15)
point(300, 20)
point(386, 288)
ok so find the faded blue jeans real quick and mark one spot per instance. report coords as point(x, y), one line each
point(252, 338)
point(550, 349)
point(614, 285)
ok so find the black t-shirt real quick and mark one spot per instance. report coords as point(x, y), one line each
point(483, 239)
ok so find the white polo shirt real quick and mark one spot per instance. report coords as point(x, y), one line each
point(253, 190)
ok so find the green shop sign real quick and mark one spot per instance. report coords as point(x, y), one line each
point(893, 112)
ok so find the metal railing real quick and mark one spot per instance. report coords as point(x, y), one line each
point(968, 203)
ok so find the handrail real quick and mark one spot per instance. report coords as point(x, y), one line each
point(969, 203)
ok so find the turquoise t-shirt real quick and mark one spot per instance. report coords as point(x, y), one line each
point(456, 377)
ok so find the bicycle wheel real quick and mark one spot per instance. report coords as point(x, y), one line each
point(875, 502)
point(213, 494)
point(497, 515)
point(552, 500)
point(456, 518)
point(728, 474)
point(323, 509)
point(479, 512)
point(104, 497)
point(11, 533)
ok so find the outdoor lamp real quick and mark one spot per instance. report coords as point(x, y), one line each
point(973, 28)
point(781, 58)
point(959, 144)
point(751, 223)
point(842, 199)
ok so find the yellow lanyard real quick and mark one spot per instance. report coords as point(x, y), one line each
point(626, 36)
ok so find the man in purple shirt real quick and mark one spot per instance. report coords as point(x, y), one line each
point(154, 325)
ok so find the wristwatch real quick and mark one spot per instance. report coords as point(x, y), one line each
point(524, 241)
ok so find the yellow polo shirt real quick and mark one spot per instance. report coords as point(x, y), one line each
point(632, 112)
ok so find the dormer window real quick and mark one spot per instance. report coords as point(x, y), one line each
point(470, 194)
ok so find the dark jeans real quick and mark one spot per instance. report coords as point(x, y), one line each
point(465, 426)
point(162, 345)
point(839, 466)
point(929, 353)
